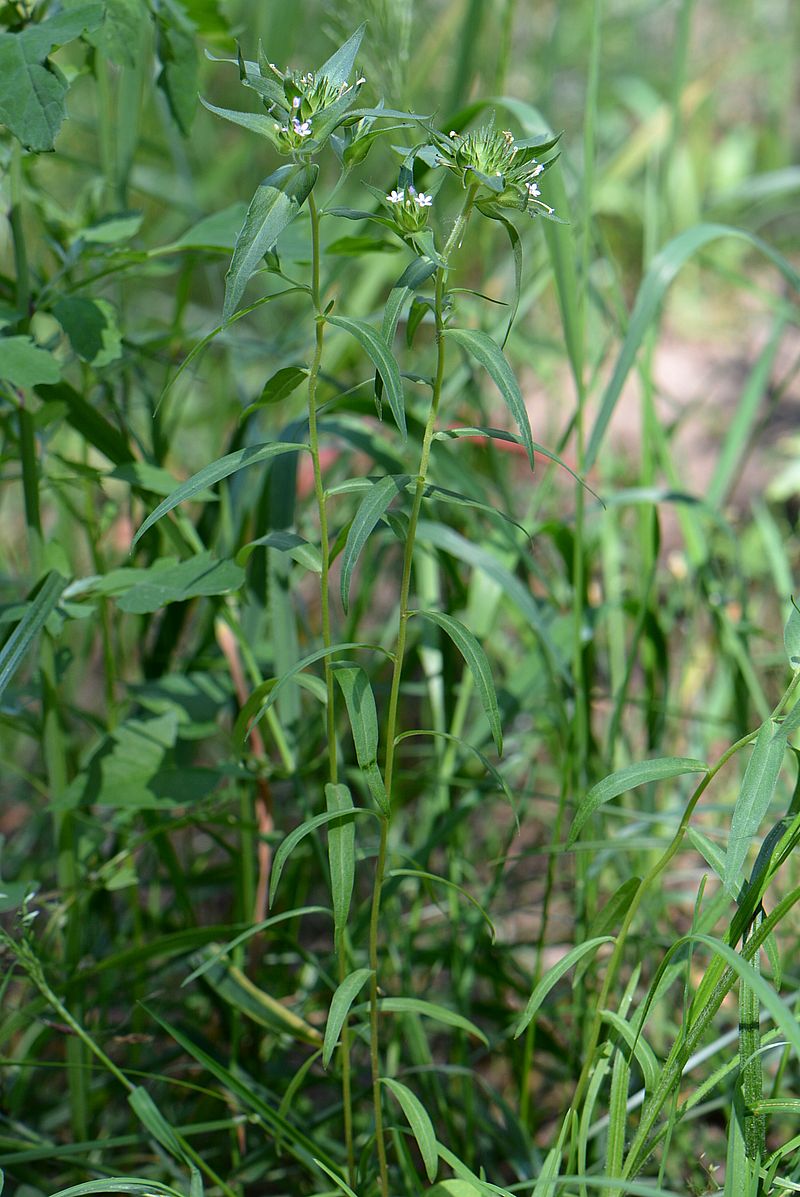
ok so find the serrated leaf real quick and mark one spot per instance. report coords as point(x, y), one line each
point(472, 652)
point(24, 364)
point(420, 1123)
point(382, 358)
point(92, 328)
point(272, 209)
point(341, 853)
point(489, 355)
point(36, 614)
point(346, 993)
point(554, 975)
point(223, 467)
point(31, 94)
point(287, 845)
point(638, 774)
point(370, 510)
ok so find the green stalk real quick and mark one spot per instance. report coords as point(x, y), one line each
point(327, 640)
point(453, 242)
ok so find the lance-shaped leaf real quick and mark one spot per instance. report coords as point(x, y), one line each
point(470, 649)
point(372, 507)
point(553, 975)
point(382, 358)
point(420, 1123)
point(288, 845)
point(341, 853)
point(406, 1005)
point(490, 356)
point(363, 715)
point(273, 207)
point(758, 786)
point(223, 467)
point(256, 122)
point(342, 1000)
point(638, 774)
point(339, 67)
point(29, 626)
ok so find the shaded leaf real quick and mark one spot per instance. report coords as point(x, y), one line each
point(346, 993)
point(374, 345)
point(341, 853)
point(554, 975)
point(44, 601)
point(370, 510)
point(638, 774)
point(477, 661)
point(420, 1123)
point(24, 364)
point(489, 355)
point(92, 328)
point(291, 841)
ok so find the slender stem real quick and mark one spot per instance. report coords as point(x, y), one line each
point(453, 242)
point(327, 640)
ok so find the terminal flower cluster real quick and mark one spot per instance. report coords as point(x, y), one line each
point(306, 97)
point(506, 169)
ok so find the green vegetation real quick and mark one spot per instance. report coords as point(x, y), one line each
point(399, 780)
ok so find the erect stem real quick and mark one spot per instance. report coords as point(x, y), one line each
point(453, 242)
point(324, 586)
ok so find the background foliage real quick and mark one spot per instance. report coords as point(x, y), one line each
point(656, 346)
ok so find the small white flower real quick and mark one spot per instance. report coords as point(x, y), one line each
point(534, 190)
point(537, 171)
point(296, 102)
point(424, 200)
point(301, 128)
point(396, 197)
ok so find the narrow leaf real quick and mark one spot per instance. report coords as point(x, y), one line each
point(291, 841)
point(342, 1000)
point(273, 207)
point(375, 346)
point(477, 661)
point(554, 975)
point(370, 510)
point(341, 852)
point(420, 1123)
point(339, 67)
point(363, 716)
point(223, 467)
point(404, 1005)
point(758, 787)
point(32, 622)
point(638, 774)
point(490, 356)
point(450, 885)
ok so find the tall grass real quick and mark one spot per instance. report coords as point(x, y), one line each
point(382, 814)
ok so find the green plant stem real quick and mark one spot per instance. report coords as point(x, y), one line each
point(453, 242)
point(327, 640)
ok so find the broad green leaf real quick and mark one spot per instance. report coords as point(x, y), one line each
point(420, 1123)
point(791, 638)
point(758, 787)
point(638, 774)
point(239, 992)
point(423, 876)
point(291, 841)
point(346, 993)
point(91, 325)
point(272, 209)
point(405, 1005)
point(120, 35)
point(112, 229)
point(44, 601)
point(370, 510)
point(416, 273)
point(31, 94)
point(223, 467)
point(170, 581)
point(477, 661)
point(375, 346)
point(341, 853)
point(265, 695)
point(663, 269)
point(554, 975)
point(490, 356)
point(217, 231)
point(339, 67)
point(363, 716)
point(24, 364)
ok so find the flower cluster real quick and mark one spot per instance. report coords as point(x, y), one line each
point(409, 208)
point(306, 99)
point(505, 167)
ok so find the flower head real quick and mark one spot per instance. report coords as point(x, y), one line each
point(300, 103)
point(504, 168)
point(395, 196)
point(409, 208)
